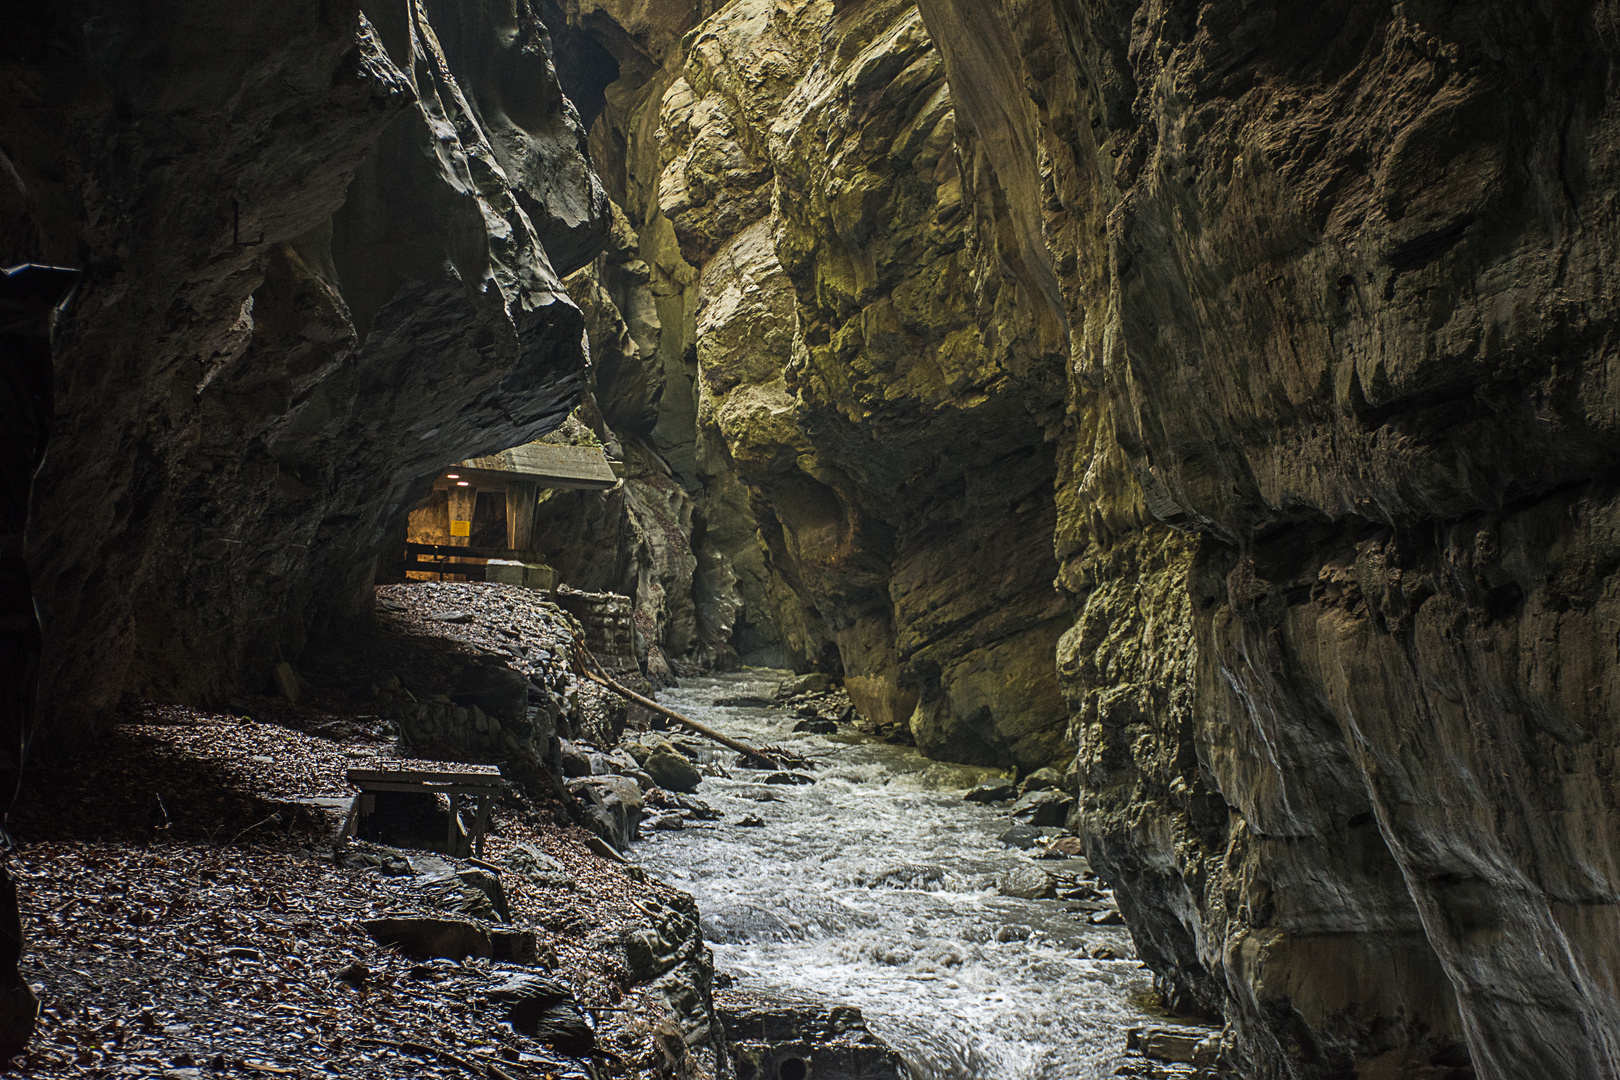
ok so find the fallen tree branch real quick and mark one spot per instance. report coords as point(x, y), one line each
point(588, 667)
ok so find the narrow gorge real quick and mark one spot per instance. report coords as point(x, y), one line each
point(1200, 405)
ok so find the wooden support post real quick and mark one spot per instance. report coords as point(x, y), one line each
point(462, 501)
point(453, 841)
point(481, 823)
point(521, 496)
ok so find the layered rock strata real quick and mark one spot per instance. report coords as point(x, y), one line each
point(322, 249)
point(791, 177)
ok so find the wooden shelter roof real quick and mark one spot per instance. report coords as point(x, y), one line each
point(546, 464)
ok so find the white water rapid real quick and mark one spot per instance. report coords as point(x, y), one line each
point(876, 886)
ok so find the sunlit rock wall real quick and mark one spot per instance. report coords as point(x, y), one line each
point(872, 415)
point(322, 246)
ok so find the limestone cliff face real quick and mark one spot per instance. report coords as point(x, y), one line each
point(322, 245)
point(792, 175)
point(1337, 279)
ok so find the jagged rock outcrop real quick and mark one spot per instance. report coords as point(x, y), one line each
point(1337, 279)
point(792, 178)
point(322, 248)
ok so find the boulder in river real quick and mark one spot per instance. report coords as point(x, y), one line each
point(1043, 807)
point(1046, 779)
point(745, 701)
point(671, 770)
point(790, 778)
point(991, 791)
point(1027, 883)
point(1023, 837)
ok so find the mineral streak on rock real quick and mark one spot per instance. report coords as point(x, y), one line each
point(322, 246)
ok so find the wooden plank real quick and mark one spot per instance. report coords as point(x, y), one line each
point(441, 776)
point(429, 788)
point(509, 554)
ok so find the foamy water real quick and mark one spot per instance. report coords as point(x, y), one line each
point(876, 886)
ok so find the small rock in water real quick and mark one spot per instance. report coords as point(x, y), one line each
point(1013, 933)
point(1023, 837)
point(752, 821)
point(1027, 883)
point(991, 791)
point(1107, 918)
point(1063, 847)
point(789, 778)
point(1176, 1045)
point(1043, 807)
point(817, 727)
point(744, 701)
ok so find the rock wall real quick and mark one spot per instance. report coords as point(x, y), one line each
point(322, 246)
point(825, 328)
point(1337, 281)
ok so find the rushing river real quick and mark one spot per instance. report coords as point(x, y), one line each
point(876, 886)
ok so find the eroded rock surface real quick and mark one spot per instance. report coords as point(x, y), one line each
point(322, 252)
point(1333, 280)
point(791, 178)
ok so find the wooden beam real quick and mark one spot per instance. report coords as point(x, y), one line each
point(521, 496)
point(462, 502)
point(476, 552)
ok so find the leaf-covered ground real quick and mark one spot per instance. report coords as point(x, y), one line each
point(185, 908)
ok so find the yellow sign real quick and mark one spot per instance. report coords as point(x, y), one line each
point(461, 528)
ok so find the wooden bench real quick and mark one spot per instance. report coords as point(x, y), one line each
point(479, 783)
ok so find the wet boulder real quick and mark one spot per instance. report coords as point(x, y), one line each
point(576, 759)
point(1046, 779)
point(671, 770)
point(1043, 808)
point(991, 791)
point(1027, 883)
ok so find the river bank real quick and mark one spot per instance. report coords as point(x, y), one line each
point(188, 911)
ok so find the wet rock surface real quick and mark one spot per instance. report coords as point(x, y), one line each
point(772, 1038)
